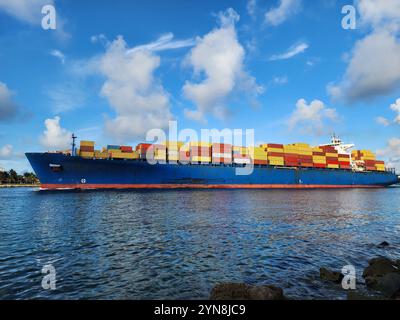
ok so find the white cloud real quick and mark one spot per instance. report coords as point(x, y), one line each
point(291, 52)
point(311, 117)
point(251, 7)
point(219, 57)
point(30, 11)
point(374, 64)
point(25, 10)
point(6, 151)
point(391, 153)
point(280, 80)
point(67, 96)
point(373, 70)
point(58, 54)
point(377, 13)
point(383, 121)
point(396, 108)
point(165, 42)
point(281, 13)
point(55, 137)
point(8, 108)
point(137, 97)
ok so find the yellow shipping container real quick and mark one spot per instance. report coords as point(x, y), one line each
point(368, 158)
point(332, 166)
point(319, 161)
point(274, 149)
point(300, 145)
point(344, 159)
point(305, 153)
point(317, 149)
point(200, 159)
point(336, 155)
point(85, 143)
point(87, 154)
point(367, 152)
point(276, 163)
point(275, 158)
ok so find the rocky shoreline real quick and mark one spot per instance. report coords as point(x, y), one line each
point(381, 281)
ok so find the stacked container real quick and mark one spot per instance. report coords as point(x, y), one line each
point(344, 161)
point(221, 153)
point(173, 150)
point(200, 152)
point(367, 159)
point(259, 155)
point(332, 157)
point(275, 154)
point(319, 157)
point(240, 155)
point(86, 149)
point(141, 149)
point(184, 153)
point(379, 165)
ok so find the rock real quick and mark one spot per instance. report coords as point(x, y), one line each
point(329, 275)
point(377, 268)
point(242, 291)
point(389, 285)
point(383, 244)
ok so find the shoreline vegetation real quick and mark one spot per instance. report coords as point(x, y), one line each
point(11, 179)
point(22, 185)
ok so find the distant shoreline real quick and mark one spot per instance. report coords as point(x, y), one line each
point(14, 185)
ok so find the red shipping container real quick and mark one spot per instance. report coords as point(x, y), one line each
point(302, 164)
point(221, 148)
point(184, 156)
point(291, 159)
point(275, 145)
point(304, 157)
point(379, 162)
point(86, 149)
point(260, 162)
point(344, 163)
point(143, 146)
point(319, 165)
point(341, 155)
point(344, 167)
point(291, 154)
point(200, 151)
point(126, 149)
point(332, 161)
point(291, 164)
point(317, 153)
point(370, 168)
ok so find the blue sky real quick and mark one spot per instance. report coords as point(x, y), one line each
point(114, 69)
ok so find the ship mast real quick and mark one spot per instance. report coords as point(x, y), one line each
point(73, 151)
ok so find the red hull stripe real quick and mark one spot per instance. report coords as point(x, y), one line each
point(202, 186)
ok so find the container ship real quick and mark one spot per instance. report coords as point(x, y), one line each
point(211, 165)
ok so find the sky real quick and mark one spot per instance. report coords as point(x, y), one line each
point(112, 70)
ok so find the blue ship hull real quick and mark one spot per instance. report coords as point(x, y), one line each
point(57, 171)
